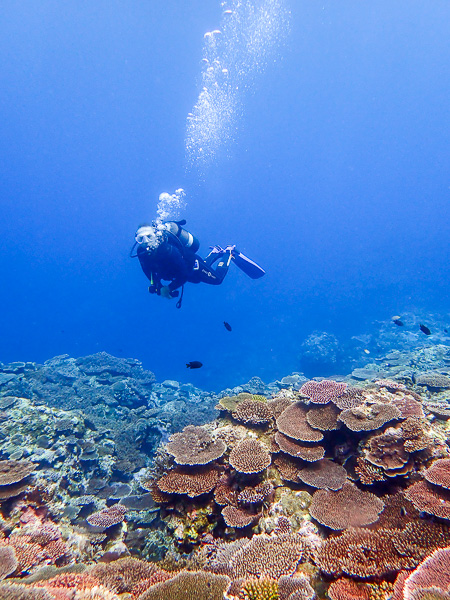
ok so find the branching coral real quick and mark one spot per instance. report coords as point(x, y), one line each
point(414, 435)
point(255, 495)
point(347, 589)
point(122, 575)
point(367, 472)
point(361, 553)
point(288, 468)
point(260, 589)
point(23, 592)
point(375, 553)
point(408, 407)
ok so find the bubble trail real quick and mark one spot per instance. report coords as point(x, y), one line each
point(249, 33)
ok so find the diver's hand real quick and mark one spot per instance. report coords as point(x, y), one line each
point(165, 292)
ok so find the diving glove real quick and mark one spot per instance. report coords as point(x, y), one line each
point(165, 292)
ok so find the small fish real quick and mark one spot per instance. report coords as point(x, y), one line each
point(445, 330)
point(194, 364)
point(366, 351)
point(227, 326)
point(397, 320)
point(424, 329)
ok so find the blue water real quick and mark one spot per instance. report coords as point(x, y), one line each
point(336, 181)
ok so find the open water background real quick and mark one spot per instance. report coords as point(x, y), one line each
point(336, 181)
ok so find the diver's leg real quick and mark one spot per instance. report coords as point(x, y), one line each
point(214, 255)
point(205, 274)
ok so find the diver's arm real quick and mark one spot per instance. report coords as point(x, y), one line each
point(155, 284)
point(175, 284)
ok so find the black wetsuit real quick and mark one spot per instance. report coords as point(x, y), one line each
point(171, 261)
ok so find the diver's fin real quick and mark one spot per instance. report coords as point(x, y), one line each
point(248, 266)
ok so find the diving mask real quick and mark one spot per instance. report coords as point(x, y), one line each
point(147, 236)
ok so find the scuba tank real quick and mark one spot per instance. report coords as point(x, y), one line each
point(186, 239)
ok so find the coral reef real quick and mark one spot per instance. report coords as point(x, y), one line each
point(114, 487)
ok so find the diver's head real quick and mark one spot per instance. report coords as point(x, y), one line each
point(148, 236)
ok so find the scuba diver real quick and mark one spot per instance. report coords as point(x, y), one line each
point(167, 252)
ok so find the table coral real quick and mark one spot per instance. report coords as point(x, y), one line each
point(439, 473)
point(8, 561)
point(347, 507)
point(322, 392)
point(107, 517)
point(324, 474)
point(193, 483)
point(430, 499)
point(252, 412)
point(369, 417)
point(268, 556)
point(238, 518)
point(324, 418)
point(298, 450)
point(432, 575)
point(13, 471)
point(194, 446)
point(249, 456)
point(292, 422)
point(194, 585)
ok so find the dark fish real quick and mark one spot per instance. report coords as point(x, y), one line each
point(227, 326)
point(445, 330)
point(424, 329)
point(398, 322)
point(194, 364)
